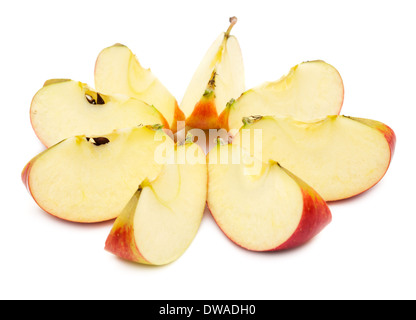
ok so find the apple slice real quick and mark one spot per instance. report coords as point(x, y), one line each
point(338, 156)
point(117, 71)
point(67, 108)
point(260, 205)
point(218, 79)
point(163, 217)
point(311, 90)
point(90, 179)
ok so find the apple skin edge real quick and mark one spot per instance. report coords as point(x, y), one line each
point(47, 83)
point(343, 90)
point(26, 181)
point(316, 216)
point(343, 94)
point(25, 175)
point(388, 132)
point(164, 122)
point(204, 115)
point(390, 137)
point(224, 116)
point(121, 241)
point(33, 127)
point(179, 116)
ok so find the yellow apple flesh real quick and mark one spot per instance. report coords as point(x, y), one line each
point(338, 156)
point(67, 108)
point(218, 79)
point(163, 216)
point(117, 71)
point(311, 90)
point(90, 179)
point(262, 206)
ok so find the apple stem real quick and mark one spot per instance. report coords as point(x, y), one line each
point(233, 21)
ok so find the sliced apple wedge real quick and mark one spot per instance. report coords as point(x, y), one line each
point(67, 108)
point(163, 217)
point(117, 71)
point(311, 90)
point(338, 156)
point(90, 179)
point(218, 79)
point(260, 205)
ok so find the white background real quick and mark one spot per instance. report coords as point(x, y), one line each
point(368, 251)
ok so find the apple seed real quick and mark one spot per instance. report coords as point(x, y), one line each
point(98, 141)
